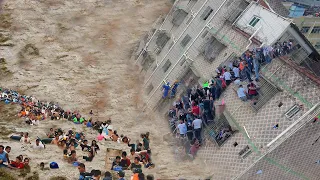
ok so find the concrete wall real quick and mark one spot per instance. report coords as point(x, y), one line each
point(271, 25)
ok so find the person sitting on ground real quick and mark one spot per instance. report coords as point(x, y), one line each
point(73, 157)
point(121, 175)
point(116, 162)
point(133, 154)
point(139, 146)
point(107, 176)
point(89, 157)
point(51, 133)
point(38, 145)
point(125, 161)
point(252, 92)
point(95, 146)
point(242, 94)
point(101, 137)
point(55, 140)
point(148, 163)
point(136, 164)
point(114, 136)
point(89, 123)
point(25, 139)
point(3, 157)
point(7, 150)
point(83, 173)
point(85, 146)
point(18, 164)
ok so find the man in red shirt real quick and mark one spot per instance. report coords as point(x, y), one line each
point(125, 162)
point(16, 164)
point(195, 109)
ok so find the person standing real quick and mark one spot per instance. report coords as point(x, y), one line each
point(256, 66)
point(227, 77)
point(182, 127)
point(197, 125)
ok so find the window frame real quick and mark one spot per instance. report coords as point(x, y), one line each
point(206, 13)
point(254, 21)
point(166, 66)
point(185, 41)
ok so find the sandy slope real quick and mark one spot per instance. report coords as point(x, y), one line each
point(83, 63)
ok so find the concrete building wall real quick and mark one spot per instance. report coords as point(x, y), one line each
point(308, 26)
point(269, 27)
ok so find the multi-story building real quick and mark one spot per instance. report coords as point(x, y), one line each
point(310, 27)
point(195, 38)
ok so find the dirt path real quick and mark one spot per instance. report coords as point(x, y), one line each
point(77, 53)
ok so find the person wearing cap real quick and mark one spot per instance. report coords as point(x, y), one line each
point(121, 175)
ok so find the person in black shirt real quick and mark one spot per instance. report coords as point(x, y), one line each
point(136, 164)
point(116, 162)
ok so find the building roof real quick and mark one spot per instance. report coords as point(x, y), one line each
point(277, 6)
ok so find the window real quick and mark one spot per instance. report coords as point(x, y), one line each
point(185, 40)
point(204, 34)
point(254, 21)
point(178, 17)
point(305, 29)
point(317, 45)
point(147, 61)
point(266, 92)
point(182, 61)
point(211, 48)
point(316, 30)
point(149, 89)
point(166, 66)
point(207, 12)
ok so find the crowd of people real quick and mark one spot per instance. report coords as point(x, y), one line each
point(34, 111)
point(195, 109)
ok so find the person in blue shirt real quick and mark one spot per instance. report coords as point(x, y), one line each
point(83, 174)
point(121, 175)
point(3, 157)
point(166, 89)
point(89, 123)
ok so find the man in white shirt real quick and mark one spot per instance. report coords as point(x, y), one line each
point(242, 94)
point(227, 77)
point(197, 125)
point(38, 145)
point(236, 72)
point(182, 127)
